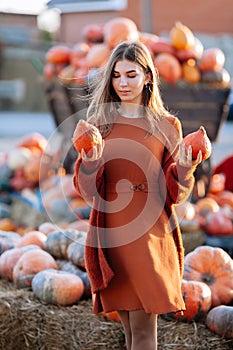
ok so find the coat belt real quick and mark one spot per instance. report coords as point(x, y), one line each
point(127, 186)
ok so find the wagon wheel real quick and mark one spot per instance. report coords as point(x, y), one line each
point(202, 180)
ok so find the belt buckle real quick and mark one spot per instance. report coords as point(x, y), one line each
point(138, 187)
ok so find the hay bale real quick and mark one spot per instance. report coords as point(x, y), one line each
point(26, 323)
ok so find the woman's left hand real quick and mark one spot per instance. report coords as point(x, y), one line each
point(186, 159)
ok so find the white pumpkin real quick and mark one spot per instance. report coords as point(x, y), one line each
point(18, 157)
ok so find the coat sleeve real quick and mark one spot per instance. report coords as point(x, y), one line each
point(87, 178)
point(177, 180)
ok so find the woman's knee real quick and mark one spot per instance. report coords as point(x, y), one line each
point(142, 323)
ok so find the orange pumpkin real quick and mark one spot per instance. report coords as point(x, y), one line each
point(33, 141)
point(8, 240)
point(181, 36)
point(19, 182)
point(217, 183)
point(32, 237)
point(93, 32)
point(68, 266)
point(191, 72)
point(7, 224)
point(218, 224)
point(78, 52)
point(57, 287)
point(29, 264)
point(58, 54)
point(200, 142)
point(213, 59)
point(120, 29)
point(168, 67)
point(76, 203)
point(47, 227)
point(225, 198)
point(214, 267)
point(220, 321)
point(162, 45)
point(194, 52)
point(207, 204)
point(86, 136)
point(9, 258)
point(148, 39)
point(49, 71)
point(197, 298)
point(38, 169)
point(185, 210)
point(22, 230)
point(98, 55)
point(112, 316)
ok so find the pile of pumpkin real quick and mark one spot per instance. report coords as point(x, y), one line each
point(213, 213)
point(180, 56)
point(208, 274)
point(21, 166)
point(32, 172)
point(50, 262)
point(207, 288)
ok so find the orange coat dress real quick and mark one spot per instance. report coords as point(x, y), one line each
point(138, 232)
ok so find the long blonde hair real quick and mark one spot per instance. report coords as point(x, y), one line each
point(104, 101)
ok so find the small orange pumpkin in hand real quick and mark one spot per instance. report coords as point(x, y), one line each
point(86, 136)
point(199, 141)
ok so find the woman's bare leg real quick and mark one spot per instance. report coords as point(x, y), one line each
point(124, 316)
point(143, 328)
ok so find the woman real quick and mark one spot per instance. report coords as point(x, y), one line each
point(134, 251)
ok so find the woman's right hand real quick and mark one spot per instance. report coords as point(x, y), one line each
point(93, 155)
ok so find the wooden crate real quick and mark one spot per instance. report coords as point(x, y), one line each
point(196, 105)
point(193, 104)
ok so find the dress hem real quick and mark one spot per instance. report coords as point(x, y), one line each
point(177, 311)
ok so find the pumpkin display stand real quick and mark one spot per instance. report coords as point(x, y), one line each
point(26, 323)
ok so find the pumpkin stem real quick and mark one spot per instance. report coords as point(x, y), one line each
point(208, 279)
point(202, 129)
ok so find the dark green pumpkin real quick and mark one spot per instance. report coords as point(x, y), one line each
point(8, 240)
point(75, 252)
point(57, 242)
point(220, 320)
